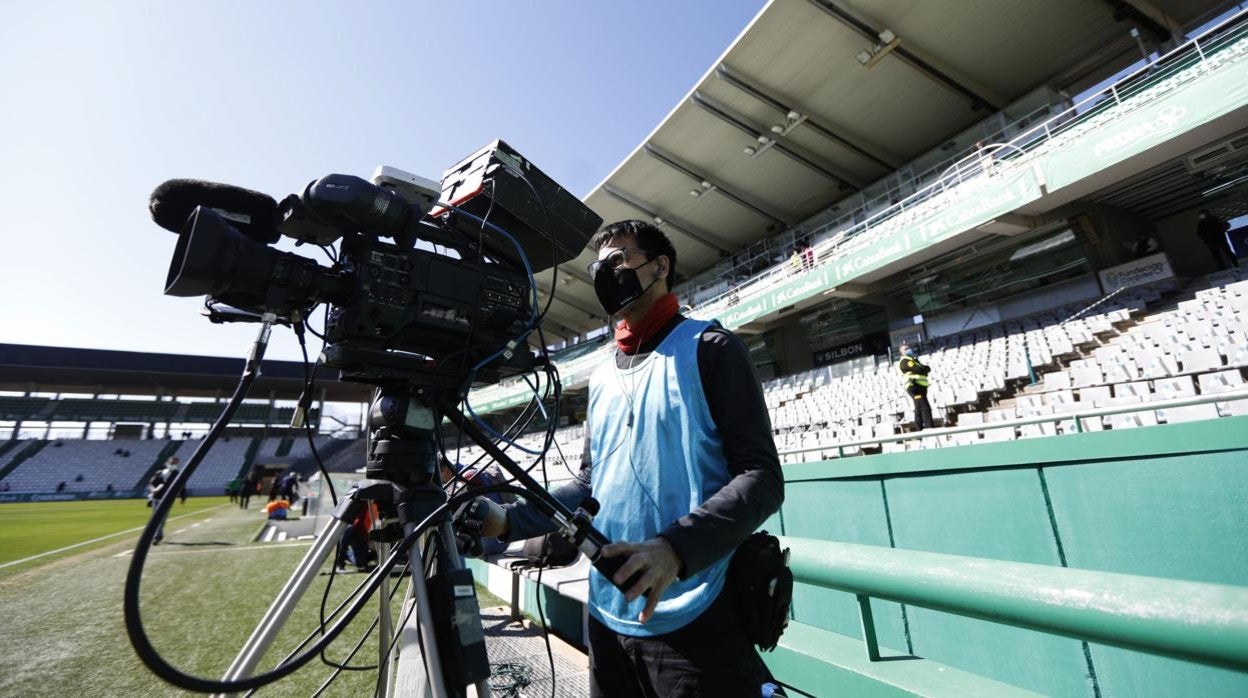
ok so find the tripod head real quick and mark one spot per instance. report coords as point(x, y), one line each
point(402, 444)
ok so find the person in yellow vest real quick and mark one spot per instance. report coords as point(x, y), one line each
point(917, 381)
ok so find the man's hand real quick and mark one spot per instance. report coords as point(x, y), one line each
point(495, 523)
point(658, 564)
point(479, 517)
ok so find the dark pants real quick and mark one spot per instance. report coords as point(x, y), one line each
point(1222, 254)
point(358, 545)
point(710, 656)
point(922, 408)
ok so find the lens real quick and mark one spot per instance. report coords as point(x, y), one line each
point(212, 258)
point(612, 261)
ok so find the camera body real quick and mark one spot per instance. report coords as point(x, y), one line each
point(432, 283)
point(421, 302)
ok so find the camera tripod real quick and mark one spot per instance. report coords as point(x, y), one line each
point(408, 676)
point(442, 651)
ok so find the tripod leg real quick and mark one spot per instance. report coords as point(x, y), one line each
point(271, 624)
point(418, 646)
point(451, 560)
point(385, 631)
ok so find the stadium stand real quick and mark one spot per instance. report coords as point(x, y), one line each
point(1004, 239)
point(347, 458)
point(121, 463)
point(224, 462)
point(1135, 346)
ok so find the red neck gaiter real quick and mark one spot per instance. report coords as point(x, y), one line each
point(629, 339)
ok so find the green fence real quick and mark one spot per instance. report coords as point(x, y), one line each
point(1164, 502)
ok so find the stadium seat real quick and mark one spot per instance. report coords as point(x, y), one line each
point(1221, 382)
point(1139, 389)
point(1200, 361)
point(1096, 396)
point(1190, 413)
point(1058, 380)
point(1158, 365)
point(1175, 387)
point(1132, 420)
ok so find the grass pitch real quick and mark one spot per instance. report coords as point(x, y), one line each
point(203, 590)
point(37, 528)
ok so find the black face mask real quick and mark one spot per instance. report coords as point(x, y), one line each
point(616, 288)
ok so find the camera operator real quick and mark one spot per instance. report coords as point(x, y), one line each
point(679, 453)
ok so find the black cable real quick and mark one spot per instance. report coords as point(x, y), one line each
point(134, 626)
point(333, 572)
point(339, 668)
point(428, 564)
point(509, 441)
point(541, 617)
point(457, 478)
point(544, 354)
point(517, 676)
point(309, 388)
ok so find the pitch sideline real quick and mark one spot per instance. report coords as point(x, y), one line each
point(96, 540)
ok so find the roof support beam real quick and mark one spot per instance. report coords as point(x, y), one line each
point(736, 198)
point(846, 180)
point(729, 76)
point(977, 101)
point(592, 312)
point(724, 248)
point(573, 271)
point(559, 331)
point(1147, 17)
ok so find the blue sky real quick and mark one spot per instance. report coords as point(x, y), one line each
point(103, 101)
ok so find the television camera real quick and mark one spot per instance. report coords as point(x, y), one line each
point(397, 311)
point(430, 292)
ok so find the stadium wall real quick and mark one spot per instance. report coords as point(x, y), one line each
point(1161, 501)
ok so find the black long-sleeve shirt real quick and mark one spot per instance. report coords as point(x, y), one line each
point(734, 396)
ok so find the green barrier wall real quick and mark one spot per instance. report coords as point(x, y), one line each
point(1164, 501)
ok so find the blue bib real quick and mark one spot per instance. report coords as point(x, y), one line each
point(657, 456)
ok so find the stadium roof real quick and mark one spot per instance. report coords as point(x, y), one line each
point(856, 89)
point(58, 369)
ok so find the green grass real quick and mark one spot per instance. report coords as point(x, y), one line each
point(203, 591)
point(31, 528)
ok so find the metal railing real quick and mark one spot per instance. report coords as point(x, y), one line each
point(1076, 416)
point(1194, 621)
point(1113, 101)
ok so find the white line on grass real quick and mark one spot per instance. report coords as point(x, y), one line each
point(199, 551)
point(96, 540)
point(270, 546)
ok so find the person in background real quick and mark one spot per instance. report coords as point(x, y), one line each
point(248, 487)
point(1145, 244)
point(917, 382)
point(1212, 231)
point(289, 487)
point(808, 256)
point(159, 483)
point(354, 543)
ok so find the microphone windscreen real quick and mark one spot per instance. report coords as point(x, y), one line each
point(253, 213)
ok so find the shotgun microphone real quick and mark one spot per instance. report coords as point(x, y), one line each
point(253, 213)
